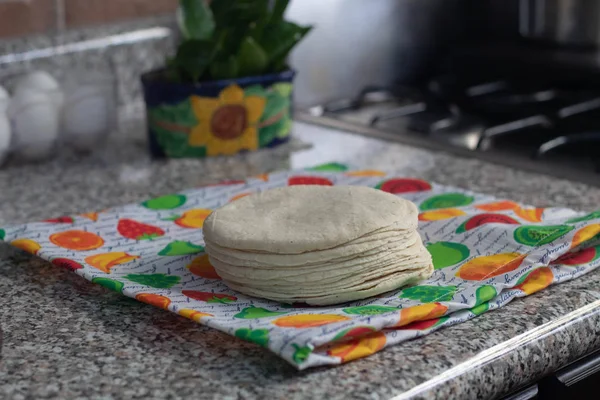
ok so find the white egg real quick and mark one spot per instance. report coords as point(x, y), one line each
point(5, 137)
point(40, 82)
point(87, 116)
point(35, 123)
point(4, 99)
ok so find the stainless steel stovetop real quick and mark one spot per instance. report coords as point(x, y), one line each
point(534, 126)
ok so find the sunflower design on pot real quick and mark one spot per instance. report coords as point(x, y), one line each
point(227, 124)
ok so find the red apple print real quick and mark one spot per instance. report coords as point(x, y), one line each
point(309, 180)
point(67, 263)
point(61, 220)
point(138, 231)
point(209, 297)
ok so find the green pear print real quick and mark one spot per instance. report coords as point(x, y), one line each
point(445, 254)
point(429, 294)
point(587, 217)
point(258, 336)
point(331, 167)
point(540, 235)
point(369, 310)
point(301, 353)
point(168, 202)
point(180, 248)
point(256, 312)
point(111, 284)
point(447, 200)
point(159, 281)
point(483, 295)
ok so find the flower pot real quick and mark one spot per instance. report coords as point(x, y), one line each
point(214, 118)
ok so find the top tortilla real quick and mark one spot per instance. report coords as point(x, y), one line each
point(305, 218)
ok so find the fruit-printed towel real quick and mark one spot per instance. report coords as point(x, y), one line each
point(485, 251)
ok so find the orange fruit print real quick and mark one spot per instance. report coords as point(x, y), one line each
point(77, 240)
point(536, 280)
point(308, 320)
point(421, 313)
point(358, 348)
point(201, 266)
point(485, 267)
point(154, 300)
point(193, 314)
point(239, 196)
point(504, 205)
point(585, 234)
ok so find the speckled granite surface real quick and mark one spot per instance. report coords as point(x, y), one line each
point(67, 338)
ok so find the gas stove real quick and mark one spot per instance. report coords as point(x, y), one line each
point(550, 127)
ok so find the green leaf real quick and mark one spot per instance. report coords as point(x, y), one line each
point(240, 13)
point(269, 133)
point(252, 59)
point(194, 56)
point(159, 281)
point(2, 234)
point(195, 19)
point(180, 114)
point(283, 88)
point(255, 90)
point(279, 38)
point(226, 69)
point(276, 106)
point(279, 9)
point(258, 336)
point(285, 127)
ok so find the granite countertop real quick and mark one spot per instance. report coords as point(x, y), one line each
point(66, 338)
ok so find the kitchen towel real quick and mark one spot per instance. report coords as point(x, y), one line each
point(486, 252)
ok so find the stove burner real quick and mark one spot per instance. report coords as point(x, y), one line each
point(532, 120)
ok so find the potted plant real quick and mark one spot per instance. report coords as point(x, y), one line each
point(228, 88)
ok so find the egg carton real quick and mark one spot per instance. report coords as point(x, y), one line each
point(40, 116)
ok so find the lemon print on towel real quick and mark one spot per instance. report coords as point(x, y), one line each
point(193, 219)
point(228, 124)
point(28, 245)
point(106, 261)
point(438, 215)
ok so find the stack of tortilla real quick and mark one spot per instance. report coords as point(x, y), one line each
point(317, 245)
